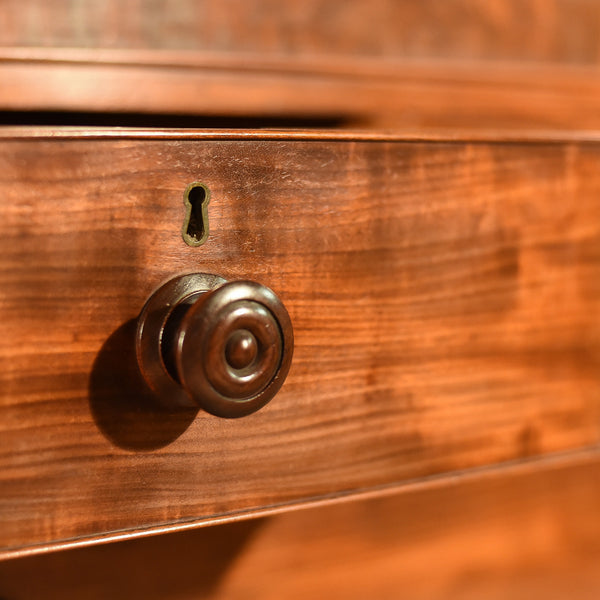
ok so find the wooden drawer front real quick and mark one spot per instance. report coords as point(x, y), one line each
point(445, 299)
point(518, 533)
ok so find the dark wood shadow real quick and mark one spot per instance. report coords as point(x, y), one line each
point(121, 403)
point(178, 565)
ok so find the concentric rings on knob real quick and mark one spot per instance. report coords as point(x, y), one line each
point(233, 345)
point(257, 325)
point(223, 346)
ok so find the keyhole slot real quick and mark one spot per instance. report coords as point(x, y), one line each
point(195, 224)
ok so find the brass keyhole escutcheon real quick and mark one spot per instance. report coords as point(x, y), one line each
point(195, 223)
point(224, 346)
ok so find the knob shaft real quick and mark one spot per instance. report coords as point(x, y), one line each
point(222, 346)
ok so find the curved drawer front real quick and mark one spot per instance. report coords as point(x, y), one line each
point(445, 300)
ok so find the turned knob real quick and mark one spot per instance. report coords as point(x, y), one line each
point(224, 346)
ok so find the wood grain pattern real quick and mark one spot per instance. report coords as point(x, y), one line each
point(519, 534)
point(564, 31)
point(445, 300)
point(353, 93)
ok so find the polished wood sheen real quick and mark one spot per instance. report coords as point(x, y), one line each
point(468, 64)
point(345, 92)
point(445, 299)
point(519, 533)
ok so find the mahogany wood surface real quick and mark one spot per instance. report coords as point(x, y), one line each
point(344, 91)
point(518, 533)
point(444, 296)
point(551, 31)
point(476, 64)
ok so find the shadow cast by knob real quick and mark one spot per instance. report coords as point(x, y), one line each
point(124, 408)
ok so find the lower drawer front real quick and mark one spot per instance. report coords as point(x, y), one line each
point(518, 533)
point(445, 300)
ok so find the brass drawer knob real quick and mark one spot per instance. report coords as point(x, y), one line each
point(224, 346)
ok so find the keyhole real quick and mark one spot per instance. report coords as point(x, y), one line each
point(195, 224)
